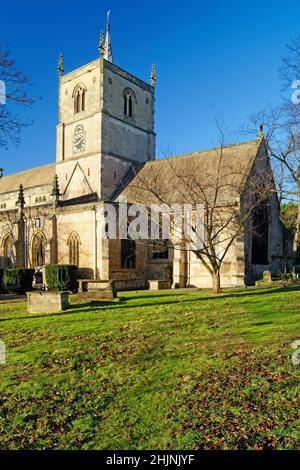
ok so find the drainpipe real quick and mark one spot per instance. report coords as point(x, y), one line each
point(189, 270)
point(25, 243)
point(95, 244)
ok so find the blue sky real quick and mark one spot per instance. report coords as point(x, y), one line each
point(218, 57)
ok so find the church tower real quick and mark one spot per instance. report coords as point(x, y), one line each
point(106, 124)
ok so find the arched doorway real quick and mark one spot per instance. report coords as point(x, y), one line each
point(38, 250)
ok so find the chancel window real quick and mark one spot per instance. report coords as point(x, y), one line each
point(260, 235)
point(79, 99)
point(74, 243)
point(128, 254)
point(128, 103)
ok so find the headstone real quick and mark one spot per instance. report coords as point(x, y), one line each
point(158, 284)
point(267, 276)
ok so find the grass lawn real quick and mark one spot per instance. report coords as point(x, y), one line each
point(165, 370)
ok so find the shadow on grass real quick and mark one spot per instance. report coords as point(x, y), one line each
point(73, 309)
point(213, 297)
point(150, 295)
point(94, 306)
point(223, 295)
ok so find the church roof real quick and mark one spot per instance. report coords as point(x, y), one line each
point(39, 176)
point(181, 179)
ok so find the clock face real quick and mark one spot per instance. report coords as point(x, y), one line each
point(79, 140)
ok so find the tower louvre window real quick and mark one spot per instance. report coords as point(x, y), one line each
point(128, 102)
point(77, 103)
point(130, 106)
point(83, 101)
point(79, 98)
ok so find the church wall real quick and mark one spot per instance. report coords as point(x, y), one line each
point(42, 193)
point(82, 221)
point(79, 177)
point(113, 170)
point(232, 269)
point(127, 141)
point(128, 279)
point(92, 131)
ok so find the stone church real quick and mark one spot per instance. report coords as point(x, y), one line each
point(105, 137)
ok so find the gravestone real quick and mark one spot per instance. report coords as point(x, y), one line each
point(267, 276)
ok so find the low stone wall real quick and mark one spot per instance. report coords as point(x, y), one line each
point(158, 284)
point(98, 290)
point(276, 282)
point(96, 294)
point(130, 284)
point(47, 302)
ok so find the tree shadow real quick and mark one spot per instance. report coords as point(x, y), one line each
point(98, 305)
point(153, 294)
point(214, 297)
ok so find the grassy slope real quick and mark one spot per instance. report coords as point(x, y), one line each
point(130, 375)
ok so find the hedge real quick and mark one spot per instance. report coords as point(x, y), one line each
point(62, 277)
point(18, 280)
point(1, 280)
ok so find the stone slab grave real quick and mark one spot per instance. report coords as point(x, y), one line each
point(97, 289)
point(269, 281)
point(156, 284)
point(47, 301)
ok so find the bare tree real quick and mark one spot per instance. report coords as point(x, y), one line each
point(14, 98)
point(282, 130)
point(228, 188)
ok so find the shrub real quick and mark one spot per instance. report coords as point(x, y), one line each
point(62, 277)
point(1, 280)
point(18, 280)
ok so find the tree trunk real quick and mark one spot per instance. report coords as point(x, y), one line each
point(297, 234)
point(216, 282)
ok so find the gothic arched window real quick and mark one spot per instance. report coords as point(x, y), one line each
point(38, 250)
point(8, 251)
point(129, 98)
point(79, 98)
point(74, 243)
